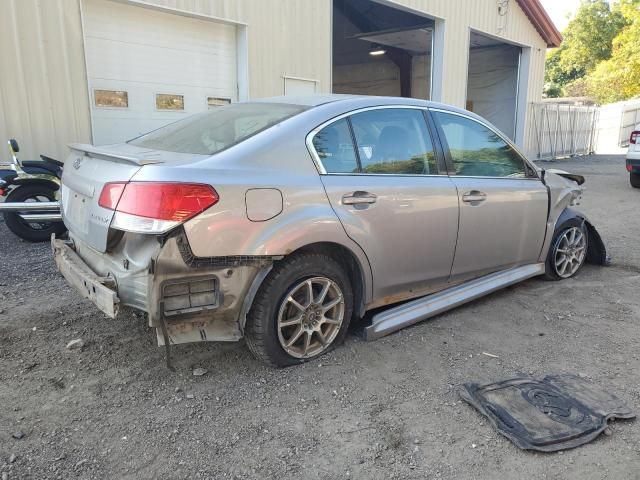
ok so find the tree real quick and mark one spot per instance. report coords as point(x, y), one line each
point(618, 78)
point(588, 39)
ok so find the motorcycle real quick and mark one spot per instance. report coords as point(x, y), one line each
point(31, 209)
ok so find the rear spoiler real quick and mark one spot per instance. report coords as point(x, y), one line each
point(106, 153)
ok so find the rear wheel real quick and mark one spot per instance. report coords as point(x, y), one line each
point(32, 232)
point(301, 311)
point(634, 178)
point(568, 251)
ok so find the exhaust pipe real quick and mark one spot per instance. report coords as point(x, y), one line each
point(41, 217)
point(42, 211)
point(30, 207)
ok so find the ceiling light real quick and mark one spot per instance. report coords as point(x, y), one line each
point(376, 51)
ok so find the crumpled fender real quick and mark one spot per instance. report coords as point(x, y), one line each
point(565, 190)
point(596, 250)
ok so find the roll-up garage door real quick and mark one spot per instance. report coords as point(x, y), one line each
point(147, 68)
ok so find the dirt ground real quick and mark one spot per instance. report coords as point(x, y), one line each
point(381, 410)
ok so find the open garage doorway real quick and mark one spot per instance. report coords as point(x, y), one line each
point(381, 50)
point(492, 83)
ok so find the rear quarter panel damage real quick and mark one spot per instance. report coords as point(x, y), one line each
point(235, 279)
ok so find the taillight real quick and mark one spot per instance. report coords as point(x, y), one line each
point(635, 137)
point(629, 167)
point(110, 195)
point(155, 207)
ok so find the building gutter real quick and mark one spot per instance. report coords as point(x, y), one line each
point(540, 19)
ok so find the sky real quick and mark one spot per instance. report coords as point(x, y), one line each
point(559, 9)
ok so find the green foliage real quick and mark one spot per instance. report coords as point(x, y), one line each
point(591, 59)
point(618, 78)
point(589, 36)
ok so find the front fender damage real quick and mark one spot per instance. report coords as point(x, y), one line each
point(565, 190)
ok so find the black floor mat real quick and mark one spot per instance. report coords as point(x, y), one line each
point(555, 413)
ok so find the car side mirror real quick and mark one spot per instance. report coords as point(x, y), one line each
point(13, 143)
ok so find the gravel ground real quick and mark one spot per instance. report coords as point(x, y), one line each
point(381, 410)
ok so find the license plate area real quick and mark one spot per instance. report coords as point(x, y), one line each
point(75, 206)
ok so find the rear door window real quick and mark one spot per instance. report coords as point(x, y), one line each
point(394, 141)
point(334, 147)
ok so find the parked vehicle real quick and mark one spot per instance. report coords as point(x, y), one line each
point(30, 207)
point(633, 157)
point(283, 220)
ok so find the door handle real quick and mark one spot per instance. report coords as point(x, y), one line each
point(359, 198)
point(474, 197)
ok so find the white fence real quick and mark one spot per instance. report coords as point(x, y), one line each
point(563, 130)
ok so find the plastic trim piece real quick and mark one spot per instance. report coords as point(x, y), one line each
point(415, 311)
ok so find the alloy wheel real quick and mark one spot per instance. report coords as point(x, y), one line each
point(310, 317)
point(570, 252)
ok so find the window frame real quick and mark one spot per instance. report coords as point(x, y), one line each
point(108, 107)
point(437, 150)
point(210, 107)
point(531, 173)
point(163, 110)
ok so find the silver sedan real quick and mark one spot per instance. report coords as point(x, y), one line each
point(283, 220)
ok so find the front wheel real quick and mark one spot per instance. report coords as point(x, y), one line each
point(301, 311)
point(634, 178)
point(32, 232)
point(568, 251)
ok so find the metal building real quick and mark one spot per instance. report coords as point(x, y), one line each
point(102, 71)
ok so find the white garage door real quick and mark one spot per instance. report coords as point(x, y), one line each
point(147, 68)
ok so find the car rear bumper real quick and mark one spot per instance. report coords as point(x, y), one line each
point(100, 290)
point(194, 299)
point(633, 163)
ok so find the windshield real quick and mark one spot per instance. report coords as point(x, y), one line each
point(212, 131)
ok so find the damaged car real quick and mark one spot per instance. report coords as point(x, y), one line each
point(282, 221)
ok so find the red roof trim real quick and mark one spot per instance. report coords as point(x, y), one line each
point(541, 20)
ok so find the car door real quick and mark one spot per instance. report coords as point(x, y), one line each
point(391, 192)
point(503, 203)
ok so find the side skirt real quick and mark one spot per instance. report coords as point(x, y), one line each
point(420, 309)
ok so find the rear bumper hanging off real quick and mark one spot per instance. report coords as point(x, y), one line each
point(100, 290)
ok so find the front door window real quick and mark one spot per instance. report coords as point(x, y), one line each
point(477, 151)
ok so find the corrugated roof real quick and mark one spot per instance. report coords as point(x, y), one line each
point(541, 20)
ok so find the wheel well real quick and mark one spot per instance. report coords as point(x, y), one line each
point(346, 258)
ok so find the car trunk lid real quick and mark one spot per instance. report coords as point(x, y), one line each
point(89, 168)
point(86, 171)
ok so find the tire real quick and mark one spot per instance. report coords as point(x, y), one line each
point(23, 229)
point(577, 252)
point(272, 321)
point(634, 178)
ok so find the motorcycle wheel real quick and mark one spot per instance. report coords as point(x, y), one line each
point(32, 232)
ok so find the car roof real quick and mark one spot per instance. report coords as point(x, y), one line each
point(358, 100)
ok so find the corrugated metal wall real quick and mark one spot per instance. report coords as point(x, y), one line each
point(43, 88)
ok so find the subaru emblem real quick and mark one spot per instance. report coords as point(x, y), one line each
point(77, 162)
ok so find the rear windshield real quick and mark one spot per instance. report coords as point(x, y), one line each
point(212, 131)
